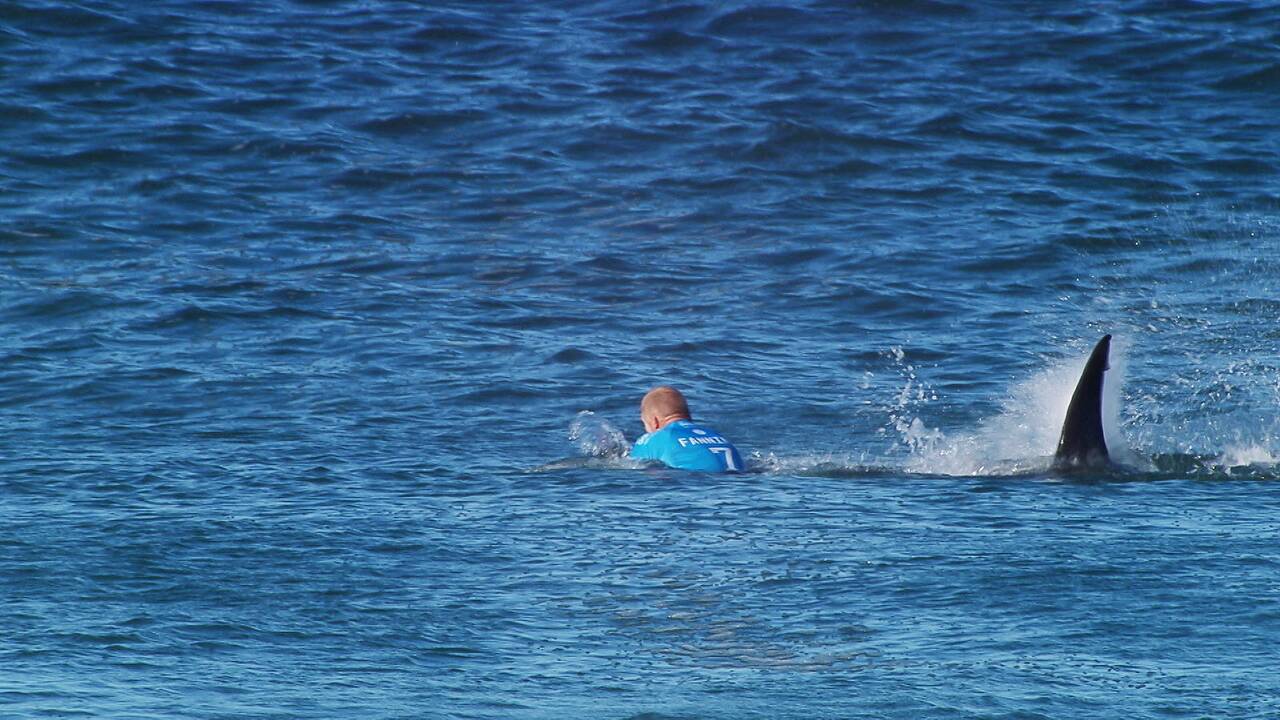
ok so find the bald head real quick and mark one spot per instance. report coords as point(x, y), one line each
point(662, 405)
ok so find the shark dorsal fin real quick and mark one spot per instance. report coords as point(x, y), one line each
point(1082, 444)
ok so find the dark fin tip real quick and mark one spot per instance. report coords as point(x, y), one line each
point(1082, 444)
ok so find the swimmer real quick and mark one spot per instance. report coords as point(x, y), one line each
point(673, 438)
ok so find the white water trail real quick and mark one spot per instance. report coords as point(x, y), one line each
point(810, 464)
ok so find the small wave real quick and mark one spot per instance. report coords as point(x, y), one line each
point(64, 19)
point(195, 315)
point(411, 123)
point(78, 159)
point(64, 304)
point(1258, 80)
point(674, 15)
point(1239, 166)
point(452, 34)
point(671, 41)
point(761, 19)
point(569, 356)
point(588, 463)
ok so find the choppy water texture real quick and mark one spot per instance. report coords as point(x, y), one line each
point(303, 301)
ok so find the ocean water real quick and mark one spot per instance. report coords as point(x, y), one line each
point(326, 323)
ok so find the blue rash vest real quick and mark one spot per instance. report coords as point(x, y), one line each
point(687, 445)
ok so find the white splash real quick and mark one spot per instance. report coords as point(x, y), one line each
point(1024, 435)
point(597, 437)
point(914, 394)
point(1244, 455)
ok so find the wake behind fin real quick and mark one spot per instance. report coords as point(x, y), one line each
point(1082, 444)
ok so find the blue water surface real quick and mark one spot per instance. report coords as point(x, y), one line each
point(326, 324)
